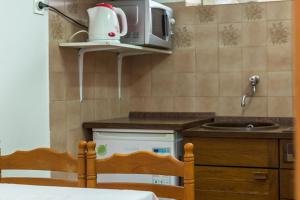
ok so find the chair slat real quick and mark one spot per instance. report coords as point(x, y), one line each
point(39, 159)
point(141, 162)
point(165, 191)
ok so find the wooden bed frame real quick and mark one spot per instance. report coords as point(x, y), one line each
point(46, 159)
point(143, 162)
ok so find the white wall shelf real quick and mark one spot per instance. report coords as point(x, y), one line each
point(122, 50)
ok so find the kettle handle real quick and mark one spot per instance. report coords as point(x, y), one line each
point(120, 12)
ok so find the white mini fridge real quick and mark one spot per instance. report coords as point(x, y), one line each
point(110, 141)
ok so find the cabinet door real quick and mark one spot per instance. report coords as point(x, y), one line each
point(229, 183)
point(287, 184)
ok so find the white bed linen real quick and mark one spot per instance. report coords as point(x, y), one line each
point(28, 192)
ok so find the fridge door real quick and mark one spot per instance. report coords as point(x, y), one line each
point(108, 143)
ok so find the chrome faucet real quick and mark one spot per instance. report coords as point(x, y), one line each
point(254, 80)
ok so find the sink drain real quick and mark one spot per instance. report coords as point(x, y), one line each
point(250, 126)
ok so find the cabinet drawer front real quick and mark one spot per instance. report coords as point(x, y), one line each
point(216, 183)
point(287, 184)
point(235, 152)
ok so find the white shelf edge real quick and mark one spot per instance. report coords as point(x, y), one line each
point(109, 45)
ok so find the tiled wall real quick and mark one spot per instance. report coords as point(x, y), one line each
point(217, 49)
point(100, 81)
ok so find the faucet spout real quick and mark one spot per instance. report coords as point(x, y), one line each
point(243, 101)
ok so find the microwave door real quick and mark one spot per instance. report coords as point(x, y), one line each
point(159, 33)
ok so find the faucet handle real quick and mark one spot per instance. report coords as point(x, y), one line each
point(254, 80)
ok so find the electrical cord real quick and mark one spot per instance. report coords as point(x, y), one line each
point(42, 5)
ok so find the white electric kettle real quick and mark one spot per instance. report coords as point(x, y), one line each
point(104, 23)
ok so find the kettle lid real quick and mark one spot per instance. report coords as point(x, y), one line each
point(107, 5)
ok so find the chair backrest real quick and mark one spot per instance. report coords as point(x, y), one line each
point(46, 159)
point(144, 162)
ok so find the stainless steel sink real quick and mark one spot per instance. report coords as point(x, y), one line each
point(241, 126)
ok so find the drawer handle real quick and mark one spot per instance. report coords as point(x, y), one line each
point(260, 175)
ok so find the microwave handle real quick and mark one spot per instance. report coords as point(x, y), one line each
point(166, 25)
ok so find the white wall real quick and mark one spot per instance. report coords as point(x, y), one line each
point(24, 96)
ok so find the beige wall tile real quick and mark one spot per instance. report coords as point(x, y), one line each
point(206, 36)
point(230, 13)
point(163, 63)
point(207, 60)
point(256, 107)
point(141, 64)
point(106, 85)
point(101, 109)
point(184, 104)
point(184, 60)
point(89, 62)
point(254, 33)
point(279, 58)
point(152, 104)
point(279, 32)
point(206, 14)
point(87, 112)
point(230, 59)
point(255, 59)
point(185, 84)
point(206, 104)
point(184, 36)
point(280, 84)
point(280, 107)
point(56, 57)
point(88, 85)
point(58, 116)
point(207, 84)
point(229, 106)
point(230, 35)
point(230, 84)
point(185, 15)
point(57, 86)
point(279, 10)
point(163, 84)
point(105, 62)
point(254, 11)
point(140, 104)
point(72, 86)
point(140, 84)
point(73, 115)
point(161, 104)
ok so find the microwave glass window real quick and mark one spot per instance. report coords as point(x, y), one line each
point(159, 23)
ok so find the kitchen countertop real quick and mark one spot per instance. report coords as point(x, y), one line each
point(154, 121)
point(285, 131)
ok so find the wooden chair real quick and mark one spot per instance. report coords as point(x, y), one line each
point(49, 160)
point(144, 162)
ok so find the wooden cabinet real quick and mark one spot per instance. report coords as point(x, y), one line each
point(235, 152)
point(241, 169)
point(286, 184)
point(216, 183)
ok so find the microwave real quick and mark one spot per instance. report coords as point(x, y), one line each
point(149, 23)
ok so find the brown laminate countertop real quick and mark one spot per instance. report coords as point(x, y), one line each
point(285, 131)
point(154, 121)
